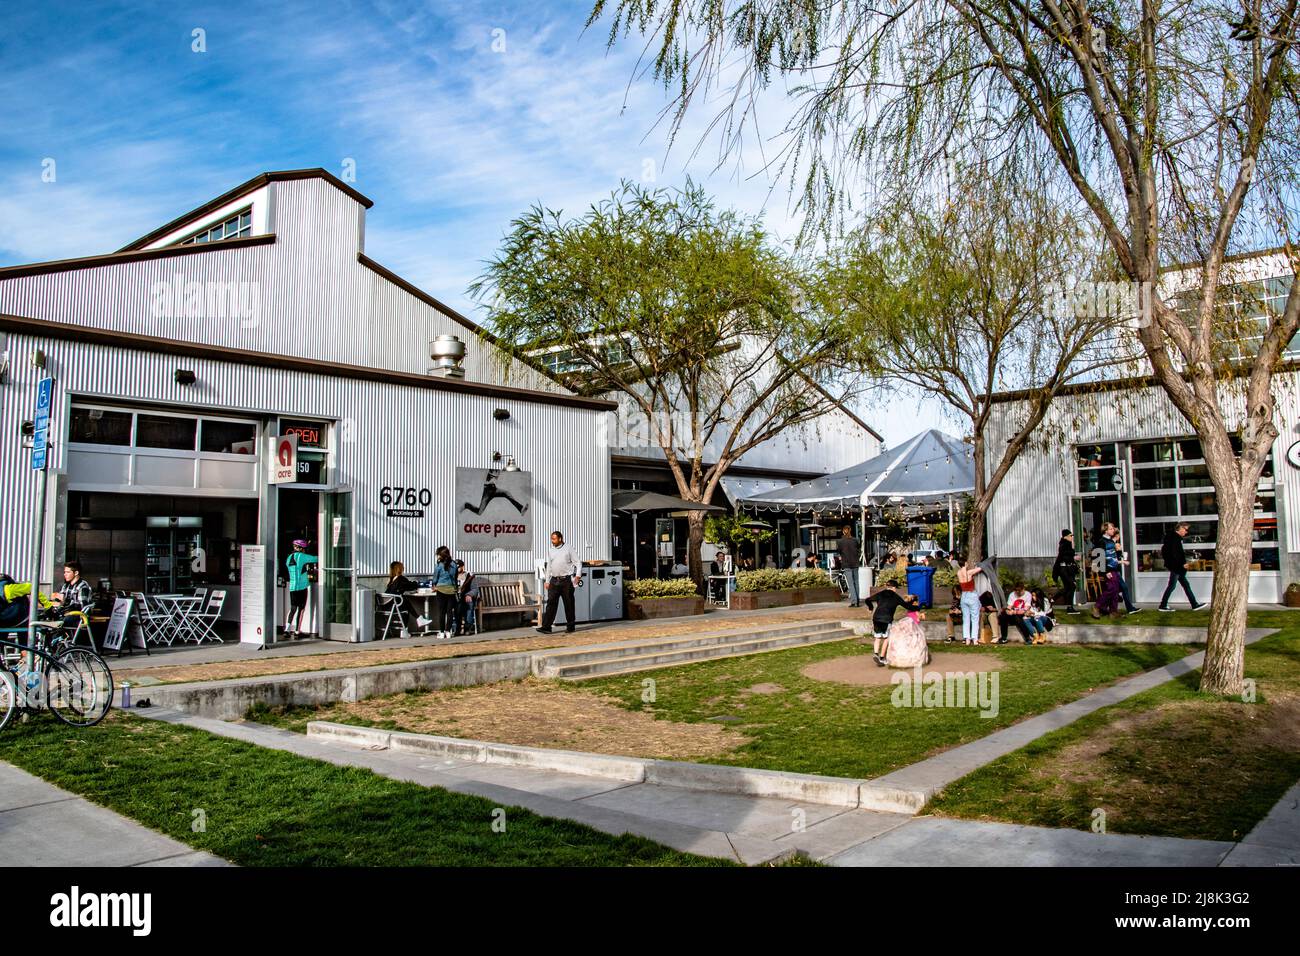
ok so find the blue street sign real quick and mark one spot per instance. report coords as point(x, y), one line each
point(40, 437)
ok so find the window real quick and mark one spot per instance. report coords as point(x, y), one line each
point(1097, 468)
point(228, 437)
point(165, 431)
point(99, 426)
point(1170, 482)
point(236, 227)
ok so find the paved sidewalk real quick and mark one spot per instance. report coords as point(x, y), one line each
point(746, 829)
point(42, 825)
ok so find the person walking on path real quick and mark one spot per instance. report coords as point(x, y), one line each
point(851, 560)
point(563, 572)
point(970, 604)
point(1176, 562)
point(1066, 571)
point(300, 580)
point(883, 604)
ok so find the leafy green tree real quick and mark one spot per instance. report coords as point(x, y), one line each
point(691, 317)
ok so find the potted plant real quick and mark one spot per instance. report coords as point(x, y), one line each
point(1292, 596)
point(652, 598)
point(763, 589)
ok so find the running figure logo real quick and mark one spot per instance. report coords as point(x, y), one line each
point(491, 491)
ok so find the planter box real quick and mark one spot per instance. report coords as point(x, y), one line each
point(1291, 598)
point(645, 609)
point(757, 600)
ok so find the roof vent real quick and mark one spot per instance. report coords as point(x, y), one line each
point(447, 352)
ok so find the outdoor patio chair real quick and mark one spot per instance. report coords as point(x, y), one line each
point(157, 626)
point(390, 607)
point(203, 624)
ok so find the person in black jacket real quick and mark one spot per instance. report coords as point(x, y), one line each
point(1066, 571)
point(884, 603)
point(1176, 562)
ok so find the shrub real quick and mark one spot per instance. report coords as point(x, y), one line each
point(945, 578)
point(649, 588)
point(891, 578)
point(782, 580)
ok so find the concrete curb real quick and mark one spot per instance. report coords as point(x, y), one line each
point(713, 778)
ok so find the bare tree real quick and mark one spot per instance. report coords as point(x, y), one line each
point(962, 300)
point(1176, 123)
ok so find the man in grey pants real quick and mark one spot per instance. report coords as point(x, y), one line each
point(851, 560)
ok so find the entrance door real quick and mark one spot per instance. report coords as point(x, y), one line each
point(1089, 513)
point(337, 568)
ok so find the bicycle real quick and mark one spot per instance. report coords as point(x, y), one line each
point(72, 682)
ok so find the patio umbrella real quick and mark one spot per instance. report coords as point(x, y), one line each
point(635, 502)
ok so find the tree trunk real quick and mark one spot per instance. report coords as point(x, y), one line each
point(695, 523)
point(975, 531)
point(1226, 644)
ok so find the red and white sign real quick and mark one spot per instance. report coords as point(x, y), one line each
point(282, 463)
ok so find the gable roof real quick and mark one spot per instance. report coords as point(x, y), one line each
point(254, 184)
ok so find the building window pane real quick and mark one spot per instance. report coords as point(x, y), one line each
point(1094, 456)
point(228, 436)
point(1155, 506)
point(1153, 452)
point(1152, 479)
point(1200, 503)
point(1189, 449)
point(158, 431)
point(1195, 476)
point(96, 426)
point(1265, 558)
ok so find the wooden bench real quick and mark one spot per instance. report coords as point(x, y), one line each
point(505, 597)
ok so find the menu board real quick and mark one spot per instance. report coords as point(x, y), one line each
point(118, 622)
point(252, 594)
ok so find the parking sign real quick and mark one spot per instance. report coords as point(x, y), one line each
point(40, 437)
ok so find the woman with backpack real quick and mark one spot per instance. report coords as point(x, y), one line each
point(302, 574)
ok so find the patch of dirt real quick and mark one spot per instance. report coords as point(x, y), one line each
point(764, 689)
point(535, 713)
point(862, 671)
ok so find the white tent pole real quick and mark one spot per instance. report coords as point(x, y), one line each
point(951, 530)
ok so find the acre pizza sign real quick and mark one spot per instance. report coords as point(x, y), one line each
point(493, 509)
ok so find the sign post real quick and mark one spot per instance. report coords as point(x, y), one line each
point(40, 449)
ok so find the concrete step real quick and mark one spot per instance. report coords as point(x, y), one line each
point(641, 646)
point(673, 658)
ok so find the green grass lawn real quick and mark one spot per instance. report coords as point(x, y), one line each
point(271, 808)
point(842, 730)
point(1169, 762)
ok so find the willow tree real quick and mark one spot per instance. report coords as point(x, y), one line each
point(689, 316)
point(1175, 125)
point(959, 294)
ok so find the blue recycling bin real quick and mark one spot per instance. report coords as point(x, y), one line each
point(920, 581)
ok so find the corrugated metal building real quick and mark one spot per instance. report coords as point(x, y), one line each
point(257, 315)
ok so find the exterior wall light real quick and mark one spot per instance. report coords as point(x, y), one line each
point(185, 376)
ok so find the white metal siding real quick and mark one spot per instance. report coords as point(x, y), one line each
point(400, 435)
point(1033, 503)
point(315, 299)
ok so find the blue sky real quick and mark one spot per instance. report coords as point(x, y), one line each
point(452, 135)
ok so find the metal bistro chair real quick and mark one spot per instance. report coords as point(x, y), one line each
point(203, 624)
point(157, 627)
point(390, 607)
point(201, 594)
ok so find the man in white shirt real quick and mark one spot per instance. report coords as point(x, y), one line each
point(563, 572)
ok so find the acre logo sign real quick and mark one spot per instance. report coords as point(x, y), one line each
point(77, 909)
point(282, 463)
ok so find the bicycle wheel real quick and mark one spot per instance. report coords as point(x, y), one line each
point(8, 697)
point(79, 687)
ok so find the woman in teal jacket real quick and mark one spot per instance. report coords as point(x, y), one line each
point(299, 585)
point(446, 585)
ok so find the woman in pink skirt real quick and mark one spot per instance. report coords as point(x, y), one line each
point(906, 645)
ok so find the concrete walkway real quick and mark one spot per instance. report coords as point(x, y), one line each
point(748, 829)
point(42, 825)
